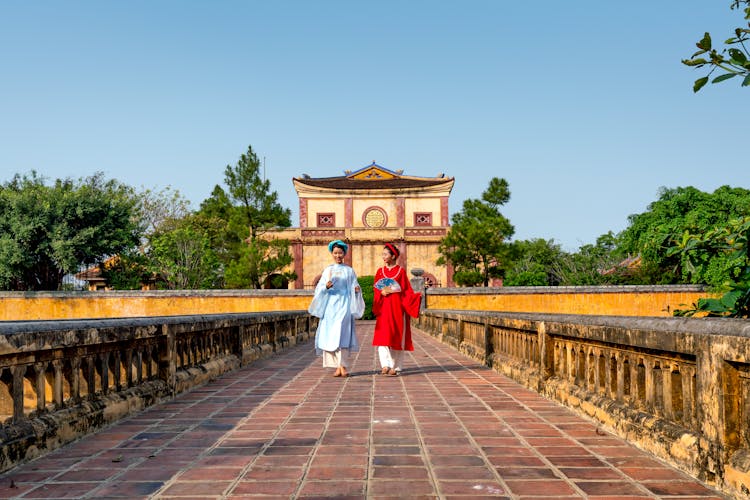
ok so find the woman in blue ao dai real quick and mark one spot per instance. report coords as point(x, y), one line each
point(337, 302)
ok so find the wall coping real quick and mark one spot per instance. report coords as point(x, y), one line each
point(516, 290)
point(159, 293)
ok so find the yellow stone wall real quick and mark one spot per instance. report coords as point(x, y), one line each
point(624, 303)
point(76, 305)
point(80, 305)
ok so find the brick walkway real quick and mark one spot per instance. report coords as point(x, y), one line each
point(284, 428)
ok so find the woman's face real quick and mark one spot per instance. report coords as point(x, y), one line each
point(388, 257)
point(338, 255)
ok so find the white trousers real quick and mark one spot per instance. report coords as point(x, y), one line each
point(334, 359)
point(390, 357)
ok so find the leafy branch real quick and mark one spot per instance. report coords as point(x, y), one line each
point(733, 61)
point(731, 240)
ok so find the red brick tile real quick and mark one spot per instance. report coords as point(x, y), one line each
point(526, 473)
point(210, 474)
point(473, 489)
point(128, 489)
point(609, 488)
point(396, 488)
point(183, 488)
point(264, 488)
point(677, 488)
point(62, 490)
point(463, 473)
point(339, 473)
point(398, 460)
point(655, 473)
point(410, 473)
point(342, 489)
point(547, 487)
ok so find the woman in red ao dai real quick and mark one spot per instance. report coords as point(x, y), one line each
point(392, 305)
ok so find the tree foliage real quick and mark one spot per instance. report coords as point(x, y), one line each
point(725, 246)
point(239, 216)
point(533, 263)
point(476, 244)
point(182, 257)
point(679, 212)
point(49, 231)
point(732, 61)
point(252, 194)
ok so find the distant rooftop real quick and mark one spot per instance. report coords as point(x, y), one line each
point(373, 176)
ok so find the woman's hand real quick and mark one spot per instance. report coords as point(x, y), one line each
point(329, 284)
point(357, 289)
point(385, 291)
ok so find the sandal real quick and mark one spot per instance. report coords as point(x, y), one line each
point(384, 371)
point(392, 373)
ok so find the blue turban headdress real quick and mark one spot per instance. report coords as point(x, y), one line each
point(340, 244)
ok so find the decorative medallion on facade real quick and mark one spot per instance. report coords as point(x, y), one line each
point(374, 217)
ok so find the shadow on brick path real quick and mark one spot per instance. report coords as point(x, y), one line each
point(285, 428)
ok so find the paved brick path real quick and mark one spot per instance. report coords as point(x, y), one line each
point(284, 428)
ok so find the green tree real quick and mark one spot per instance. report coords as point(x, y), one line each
point(49, 231)
point(476, 244)
point(248, 209)
point(159, 212)
point(726, 246)
point(252, 193)
point(128, 270)
point(182, 256)
point(679, 211)
point(597, 264)
point(734, 60)
point(534, 263)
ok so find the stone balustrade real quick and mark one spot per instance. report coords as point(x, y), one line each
point(677, 387)
point(62, 379)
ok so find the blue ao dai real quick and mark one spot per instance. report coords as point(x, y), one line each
point(337, 307)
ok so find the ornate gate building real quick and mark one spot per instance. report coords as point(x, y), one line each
point(367, 208)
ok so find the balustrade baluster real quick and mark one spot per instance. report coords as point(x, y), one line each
point(19, 374)
point(39, 369)
point(105, 371)
point(58, 380)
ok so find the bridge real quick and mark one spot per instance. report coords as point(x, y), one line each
point(553, 381)
point(282, 427)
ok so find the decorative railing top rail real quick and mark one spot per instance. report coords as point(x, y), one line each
point(516, 290)
point(159, 293)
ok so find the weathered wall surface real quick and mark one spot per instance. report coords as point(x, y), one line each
point(676, 387)
point(608, 301)
point(597, 300)
point(32, 306)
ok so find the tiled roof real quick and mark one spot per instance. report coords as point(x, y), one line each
point(373, 176)
point(345, 182)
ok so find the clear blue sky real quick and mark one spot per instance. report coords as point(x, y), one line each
point(582, 106)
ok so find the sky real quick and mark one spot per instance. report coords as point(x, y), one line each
point(583, 107)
